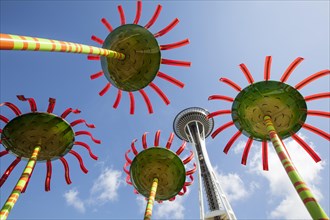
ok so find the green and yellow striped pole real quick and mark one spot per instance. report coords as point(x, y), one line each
point(305, 194)
point(16, 42)
point(20, 185)
point(151, 200)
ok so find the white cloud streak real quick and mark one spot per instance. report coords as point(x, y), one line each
point(141, 201)
point(106, 186)
point(234, 187)
point(171, 210)
point(104, 189)
point(72, 199)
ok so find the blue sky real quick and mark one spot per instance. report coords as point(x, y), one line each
point(223, 34)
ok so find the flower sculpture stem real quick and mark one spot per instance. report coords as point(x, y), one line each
point(16, 42)
point(23, 180)
point(150, 204)
point(305, 194)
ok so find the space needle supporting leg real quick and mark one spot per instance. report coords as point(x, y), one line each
point(20, 185)
point(305, 194)
point(151, 200)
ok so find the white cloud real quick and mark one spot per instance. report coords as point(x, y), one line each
point(141, 201)
point(279, 183)
point(72, 199)
point(106, 186)
point(171, 210)
point(238, 149)
point(289, 209)
point(104, 189)
point(234, 187)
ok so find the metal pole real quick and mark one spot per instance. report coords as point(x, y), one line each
point(151, 200)
point(305, 194)
point(12, 199)
point(16, 42)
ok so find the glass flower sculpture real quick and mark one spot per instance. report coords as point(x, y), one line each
point(272, 111)
point(39, 137)
point(158, 173)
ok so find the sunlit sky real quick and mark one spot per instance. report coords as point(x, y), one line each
point(222, 35)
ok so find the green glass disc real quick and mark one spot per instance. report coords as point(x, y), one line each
point(142, 57)
point(52, 133)
point(283, 103)
point(161, 163)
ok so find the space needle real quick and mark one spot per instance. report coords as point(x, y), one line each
point(192, 125)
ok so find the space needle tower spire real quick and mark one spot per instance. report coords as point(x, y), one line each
point(192, 125)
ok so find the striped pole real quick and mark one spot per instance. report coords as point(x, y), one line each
point(20, 185)
point(16, 42)
point(150, 204)
point(305, 194)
